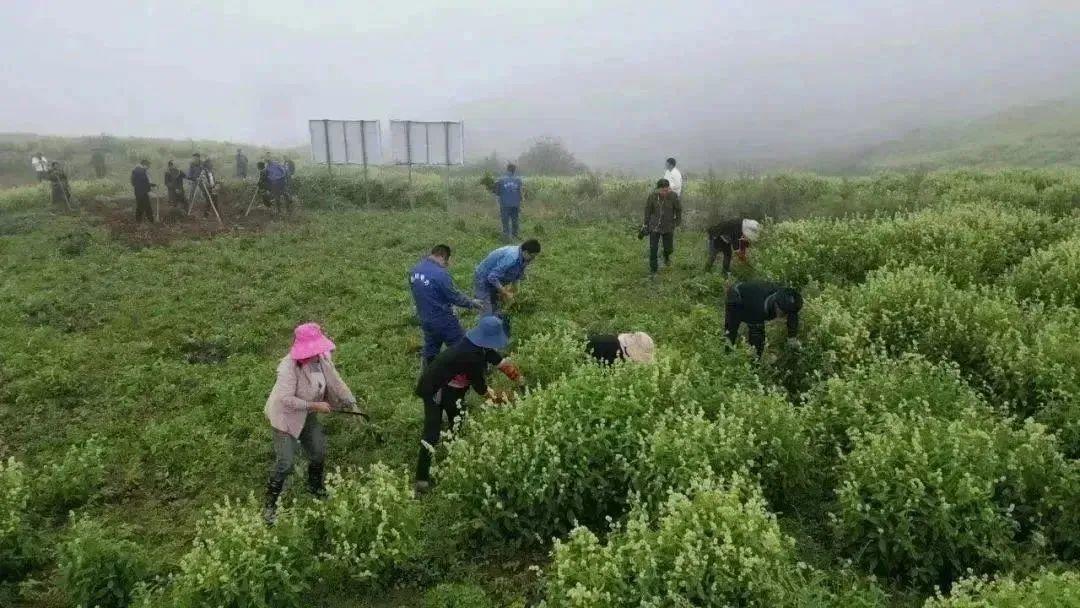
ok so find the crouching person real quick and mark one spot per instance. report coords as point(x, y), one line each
point(637, 347)
point(730, 237)
point(307, 383)
point(756, 302)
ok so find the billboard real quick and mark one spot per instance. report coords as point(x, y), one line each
point(346, 142)
point(416, 142)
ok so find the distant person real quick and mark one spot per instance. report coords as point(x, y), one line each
point(509, 189)
point(195, 169)
point(663, 213)
point(290, 171)
point(496, 275)
point(307, 384)
point(40, 165)
point(140, 182)
point(241, 164)
point(278, 176)
point(728, 237)
point(756, 302)
point(61, 191)
point(97, 161)
point(262, 187)
point(607, 349)
point(674, 177)
point(174, 183)
point(435, 297)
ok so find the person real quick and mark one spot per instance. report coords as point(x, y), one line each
point(97, 160)
point(495, 276)
point(435, 296)
point(174, 183)
point(448, 379)
point(307, 384)
point(674, 177)
point(730, 236)
point(262, 187)
point(140, 182)
point(279, 178)
point(754, 303)
point(607, 349)
point(40, 165)
point(241, 164)
point(290, 167)
point(195, 169)
point(663, 212)
point(509, 189)
point(61, 191)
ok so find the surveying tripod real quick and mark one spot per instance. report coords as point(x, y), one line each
point(202, 185)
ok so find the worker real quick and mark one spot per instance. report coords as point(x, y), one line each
point(754, 303)
point(140, 182)
point(637, 346)
point(674, 177)
point(509, 189)
point(40, 165)
point(435, 296)
point(730, 236)
point(307, 384)
point(447, 379)
point(97, 161)
point(61, 191)
point(195, 169)
point(496, 275)
point(663, 212)
point(174, 184)
point(262, 187)
point(241, 164)
point(278, 175)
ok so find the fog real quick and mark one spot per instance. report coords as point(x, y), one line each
point(624, 84)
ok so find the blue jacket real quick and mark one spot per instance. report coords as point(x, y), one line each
point(434, 293)
point(140, 181)
point(508, 188)
point(502, 266)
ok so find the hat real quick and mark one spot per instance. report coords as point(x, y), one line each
point(638, 347)
point(308, 342)
point(751, 229)
point(488, 333)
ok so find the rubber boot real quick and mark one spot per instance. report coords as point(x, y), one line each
point(315, 480)
point(273, 491)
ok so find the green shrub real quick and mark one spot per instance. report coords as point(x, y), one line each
point(720, 547)
point(237, 561)
point(15, 527)
point(368, 525)
point(1050, 275)
point(1047, 590)
point(73, 480)
point(99, 566)
point(457, 595)
point(545, 357)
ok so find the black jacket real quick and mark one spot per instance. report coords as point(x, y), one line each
point(731, 230)
point(461, 358)
point(140, 180)
point(604, 348)
point(751, 302)
point(174, 178)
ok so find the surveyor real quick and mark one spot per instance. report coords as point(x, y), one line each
point(61, 192)
point(174, 183)
point(97, 161)
point(307, 384)
point(730, 236)
point(195, 169)
point(278, 176)
point(663, 213)
point(449, 376)
point(40, 165)
point(496, 275)
point(756, 302)
point(241, 164)
point(262, 187)
point(674, 177)
point(509, 189)
point(435, 296)
point(637, 347)
point(140, 182)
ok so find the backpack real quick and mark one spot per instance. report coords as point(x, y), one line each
point(275, 172)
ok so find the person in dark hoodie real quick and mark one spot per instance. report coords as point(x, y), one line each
point(756, 302)
point(174, 184)
point(730, 237)
point(663, 213)
point(140, 182)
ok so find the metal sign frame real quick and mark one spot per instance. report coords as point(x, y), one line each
point(427, 125)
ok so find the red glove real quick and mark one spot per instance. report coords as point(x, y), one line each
point(459, 381)
point(743, 245)
point(510, 370)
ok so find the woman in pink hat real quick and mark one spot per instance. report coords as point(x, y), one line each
point(307, 383)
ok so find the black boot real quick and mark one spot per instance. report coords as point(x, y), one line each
point(273, 490)
point(315, 480)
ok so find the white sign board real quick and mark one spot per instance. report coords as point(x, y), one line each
point(427, 143)
point(346, 142)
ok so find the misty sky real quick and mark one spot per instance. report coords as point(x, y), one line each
point(621, 82)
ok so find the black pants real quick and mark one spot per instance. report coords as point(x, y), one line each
point(447, 402)
point(716, 247)
point(654, 243)
point(142, 207)
point(755, 331)
point(280, 191)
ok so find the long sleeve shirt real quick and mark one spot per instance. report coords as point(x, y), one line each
point(463, 358)
point(751, 302)
point(674, 178)
point(503, 266)
point(434, 292)
point(298, 386)
point(663, 211)
point(508, 188)
point(140, 180)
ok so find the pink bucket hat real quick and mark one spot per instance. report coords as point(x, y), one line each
point(308, 342)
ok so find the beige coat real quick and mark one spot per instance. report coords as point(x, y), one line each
point(297, 387)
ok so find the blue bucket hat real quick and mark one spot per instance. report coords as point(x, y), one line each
point(488, 333)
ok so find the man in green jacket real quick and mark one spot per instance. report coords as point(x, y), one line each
point(663, 212)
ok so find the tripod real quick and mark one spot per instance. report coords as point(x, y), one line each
point(202, 185)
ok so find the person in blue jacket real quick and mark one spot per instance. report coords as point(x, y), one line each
point(509, 189)
point(435, 296)
point(500, 270)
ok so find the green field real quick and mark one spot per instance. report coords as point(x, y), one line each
point(925, 431)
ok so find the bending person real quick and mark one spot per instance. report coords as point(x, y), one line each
point(728, 237)
point(757, 302)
